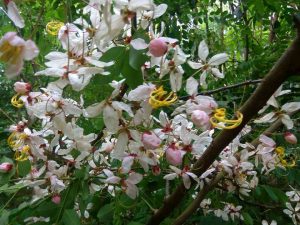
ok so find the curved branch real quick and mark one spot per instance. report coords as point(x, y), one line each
point(200, 196)
point(286, 66)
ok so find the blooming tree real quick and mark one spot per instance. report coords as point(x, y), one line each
point(148, 136)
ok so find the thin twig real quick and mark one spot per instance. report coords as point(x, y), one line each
point(248, 82)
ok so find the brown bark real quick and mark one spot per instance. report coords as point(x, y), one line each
point(286, 66)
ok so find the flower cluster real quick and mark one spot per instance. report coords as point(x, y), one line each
point(140, 136)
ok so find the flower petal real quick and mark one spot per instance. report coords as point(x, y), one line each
point(203, 51)
point(218, 59)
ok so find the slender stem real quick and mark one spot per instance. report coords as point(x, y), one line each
point(196, 203)
point(5, 114)
point(248, 82)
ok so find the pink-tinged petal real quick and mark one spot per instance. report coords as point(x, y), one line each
point(203, 51)
point(13, 70)
point(56, 56)
point(94, 110)
point(176, 81)
point(286, 120)
point(111, 119)
point(30, 51)
point(160, 10)
point(142, 92)
point(121, 106)
point(14, 15)
point(113, 180)
point(168, 40)
point(186, 181)
point(267, 141)
point(273, 102)
point(139, 44)
point(195, 65)
point(120, 146)
point(266, 118)
point(108, 173)
point(291, 107)
point(203, 79)
point(97, 62)
point(135, 5)
point(131, 190)
point(135, 178)
point(126, 164)
point(216, 72)
point(192, 86)
point(79, 82)
point(171, 176)
point(218, 59)
point(192, 175)
point(175, 169)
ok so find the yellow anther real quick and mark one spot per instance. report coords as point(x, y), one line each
point(284, 159)
point(220, 117)
point(159, 98)
point(16, 139)
point(16, 101)
point(53, 27)
point(280, 151)
point(23, 154)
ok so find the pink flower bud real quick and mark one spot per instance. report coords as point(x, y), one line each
point(22, 87)
point(5, 167)
point(173, 155)
point(156, 170)
point(200, 119)
point(158, 47)
point(150, 140)
point(56, 199)
point(290, 138)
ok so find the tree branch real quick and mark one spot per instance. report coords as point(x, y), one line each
point(248, 82)
point(286, 66)
point(195, 204)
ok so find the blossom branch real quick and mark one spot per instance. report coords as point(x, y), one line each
point(245, 83)
point(284, 68)
point(200, 196)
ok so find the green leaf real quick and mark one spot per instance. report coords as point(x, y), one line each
point(137, 58)
point(105, 214)
point(24, 168)
point(11, 189)
point(270, 192)
point(70, 217)
point(134, 77)
point(247, 219)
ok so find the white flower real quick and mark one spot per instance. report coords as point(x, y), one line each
point(210, 66)
point(185, 174)
point(281, 114)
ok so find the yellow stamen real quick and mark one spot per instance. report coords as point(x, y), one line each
point(16, 101)
point(280, 151)
point(16, 139)
point(220, 117)
point(53, 27)
point(10, 54)
point(23, 154)
point(284, 159)
point(159, 98)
